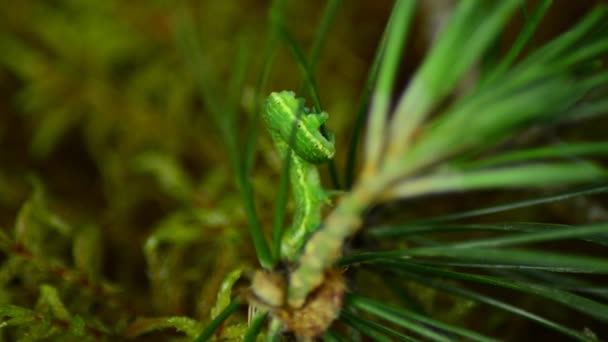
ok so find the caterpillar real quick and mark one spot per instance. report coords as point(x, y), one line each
point(295, 133)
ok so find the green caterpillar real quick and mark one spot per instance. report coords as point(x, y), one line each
point(292, 125)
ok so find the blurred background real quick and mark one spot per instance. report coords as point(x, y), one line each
point(114, 184)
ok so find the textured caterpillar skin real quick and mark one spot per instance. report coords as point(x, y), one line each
point(281, 110)
point(288, 120)
point(323, 249)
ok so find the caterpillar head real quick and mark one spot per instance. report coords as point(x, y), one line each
point(290, 121)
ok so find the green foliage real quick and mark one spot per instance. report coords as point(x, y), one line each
point(138, 189)
point(186, 325)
